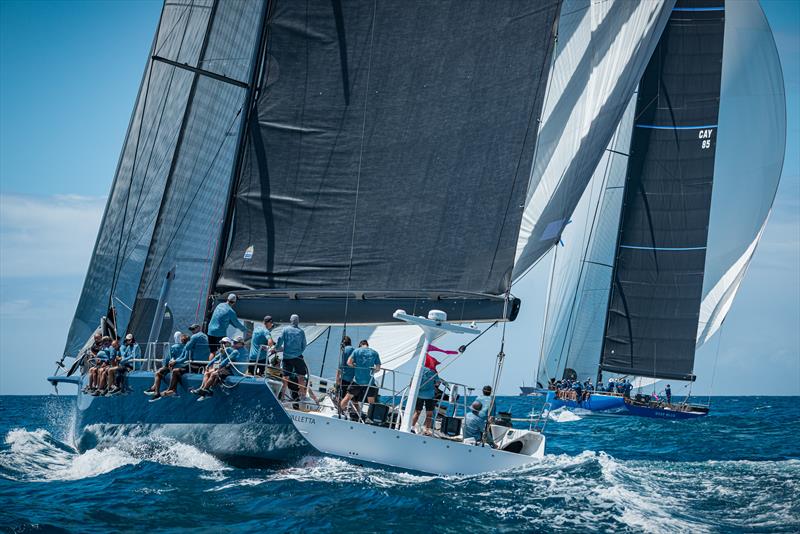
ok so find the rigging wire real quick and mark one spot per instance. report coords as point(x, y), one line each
point(358, 172)
point(716, 359)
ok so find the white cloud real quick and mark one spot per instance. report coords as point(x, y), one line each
point(47, 236)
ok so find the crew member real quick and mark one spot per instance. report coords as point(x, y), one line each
point(223, 317)
point(486, 401)
point(293, 342)
point(668, 393)
point(475, 422)
point(426, 398)
point(345, 373)
point(364, 361)
point(175, 351)
point(259, 346)
point(195, 350)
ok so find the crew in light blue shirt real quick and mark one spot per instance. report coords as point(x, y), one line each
point(364, 360)
point(176, 349)
point(223, 317)
point(486, 400)
point(427, 384)
point(196, 349)
point(129, 352)
point(293, 342)
point(260, 342)
point(475, 422)
point(346, 373)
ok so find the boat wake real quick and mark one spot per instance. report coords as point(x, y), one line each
point(38, 456)
point(563, 415)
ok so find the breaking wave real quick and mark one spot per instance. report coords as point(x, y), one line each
point(38, 456)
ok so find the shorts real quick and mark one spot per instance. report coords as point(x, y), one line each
point(294, 366)
point(163, 371)
point(362, 392)
point(343, 387)
point(427, 403)
point(223, 372)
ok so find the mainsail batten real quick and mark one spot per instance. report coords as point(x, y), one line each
point(653, 310)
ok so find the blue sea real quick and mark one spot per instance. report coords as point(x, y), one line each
point(737, 470)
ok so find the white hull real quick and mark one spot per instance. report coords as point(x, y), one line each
point(386, 446)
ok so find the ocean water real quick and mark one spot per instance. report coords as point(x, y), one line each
point(737, 470)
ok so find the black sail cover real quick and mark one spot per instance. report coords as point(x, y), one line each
point(387, 162)
point(654, 306)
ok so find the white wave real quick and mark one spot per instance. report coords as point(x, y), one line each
point(38, 456)
point(334, 470)
point(562, 415)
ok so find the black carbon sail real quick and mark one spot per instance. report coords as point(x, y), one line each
point(387, 161)
point(653, 311)
point(124, 238)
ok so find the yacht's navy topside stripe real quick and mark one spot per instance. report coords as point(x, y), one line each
point(635, 247)
point(657, 127)
point(698, 9)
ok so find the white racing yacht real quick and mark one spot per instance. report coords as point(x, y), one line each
point(382, 434)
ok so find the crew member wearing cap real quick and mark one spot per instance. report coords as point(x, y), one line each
point(221, 319)
point(475, 422)
point(218, 368)
point(120, 362)
point(168, 363)
point(195, 350)
point(293, 342)
point(259, 346)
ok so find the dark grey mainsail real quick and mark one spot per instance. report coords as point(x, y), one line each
point(387, 162)
point(654, 306)
point(192, 211)
point(133, 205)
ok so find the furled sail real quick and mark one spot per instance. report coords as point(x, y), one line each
point(654, 307)
point(387, 162)
point(750, 151)
point(138, 188)
point(602, 50)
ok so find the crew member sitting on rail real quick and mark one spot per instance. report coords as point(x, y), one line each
point(345, 373)
point(242, 352)
point(218, 368)
point(475, 422)
point(223, 317)
point(167, 363)
point(195, 350)
point(125, 362)
point(293, 342)
point(259, 347)
point(365, 361)
point(428, 381)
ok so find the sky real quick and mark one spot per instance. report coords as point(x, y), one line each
point(69, 74)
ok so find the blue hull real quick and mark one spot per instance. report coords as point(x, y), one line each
point(243, 422)
point(597, 402)
point(658, 412)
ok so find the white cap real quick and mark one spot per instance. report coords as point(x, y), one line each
point(177, 336)
point(232, 297)
point(128, 337)
point(226, 339)
point(238, 339)
point(294, 319)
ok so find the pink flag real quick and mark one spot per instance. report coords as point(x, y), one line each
point(431, 348)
